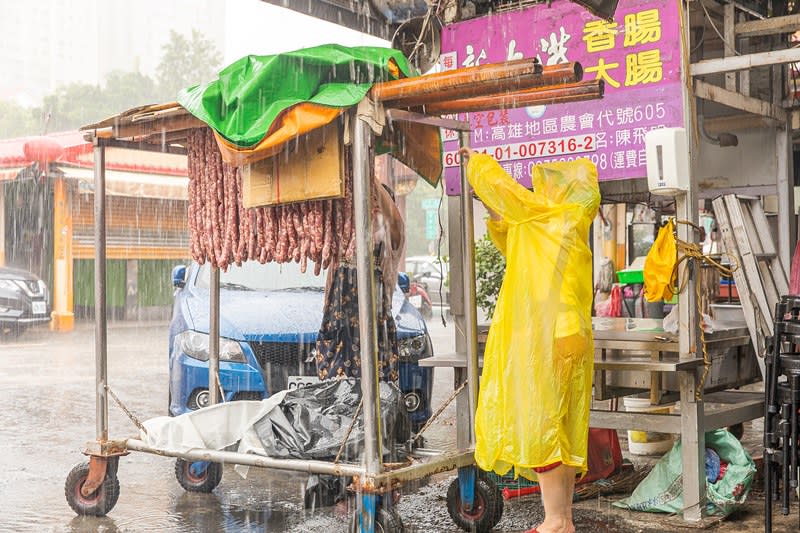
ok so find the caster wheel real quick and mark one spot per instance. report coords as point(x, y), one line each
point(98, 503)
point(198, 476)
point(487, 507)
point(737, 431)
point(386, 521)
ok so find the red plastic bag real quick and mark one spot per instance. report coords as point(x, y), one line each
point(605, 459)
point(794, 275)
point(605, 454)
point(616, 301)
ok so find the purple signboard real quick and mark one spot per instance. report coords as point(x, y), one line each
point(637, 54)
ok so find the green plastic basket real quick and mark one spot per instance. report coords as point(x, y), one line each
point(630, 277)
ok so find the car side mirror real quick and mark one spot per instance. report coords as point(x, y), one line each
point(404, 282)
point(179, 276)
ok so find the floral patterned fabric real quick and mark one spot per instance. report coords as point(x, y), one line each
point(338, 346)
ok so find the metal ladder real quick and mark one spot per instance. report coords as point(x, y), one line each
point(761, 278)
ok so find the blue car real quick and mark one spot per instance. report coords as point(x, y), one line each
point(269, 318)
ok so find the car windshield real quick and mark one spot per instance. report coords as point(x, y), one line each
point(254, 276)
point(434, 266)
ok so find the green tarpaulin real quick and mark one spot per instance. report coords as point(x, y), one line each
point(251, 93)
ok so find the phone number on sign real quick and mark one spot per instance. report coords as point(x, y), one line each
point(550, 147)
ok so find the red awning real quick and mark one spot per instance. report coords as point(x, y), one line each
point(16, 154)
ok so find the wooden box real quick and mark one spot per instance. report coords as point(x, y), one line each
point(310, 167)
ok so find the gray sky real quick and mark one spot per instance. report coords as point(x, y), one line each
point(53, 42)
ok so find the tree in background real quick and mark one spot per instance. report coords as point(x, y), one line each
point(18, 121)
point(186, 62)
point(490, 267)
point(71, 106)
point(124, 90)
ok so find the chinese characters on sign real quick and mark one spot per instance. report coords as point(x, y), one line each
point(637, 55)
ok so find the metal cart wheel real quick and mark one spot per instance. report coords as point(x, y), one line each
point(100, 502)
point(486, 510)
point(386, 521)
point(198, 476)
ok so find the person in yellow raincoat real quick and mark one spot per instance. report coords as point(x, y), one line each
point(535, 389)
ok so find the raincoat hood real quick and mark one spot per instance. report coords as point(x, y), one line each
point(575, 184)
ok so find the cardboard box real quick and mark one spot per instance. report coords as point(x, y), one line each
point(310, 167)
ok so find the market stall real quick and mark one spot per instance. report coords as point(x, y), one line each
point(228, 226)
point(634, 356)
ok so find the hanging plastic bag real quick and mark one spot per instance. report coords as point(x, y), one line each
point(659, 266)
point(605, 275)
point(670, 322)
point(616, 301)
point(540, 341)
point(602, 308)
point(662, 491)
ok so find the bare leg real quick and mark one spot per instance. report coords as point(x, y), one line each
point(569, 492)
point(557, 487)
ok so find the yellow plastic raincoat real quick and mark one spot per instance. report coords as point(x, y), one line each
point(660, 274)
point(535, 390)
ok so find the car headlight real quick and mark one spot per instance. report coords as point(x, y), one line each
point(195, 345)
point(9, 285)
point(43, 290)
point(413, 348)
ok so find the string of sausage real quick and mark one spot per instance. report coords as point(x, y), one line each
point(222, 231)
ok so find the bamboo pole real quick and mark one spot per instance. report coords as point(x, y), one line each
point(576, 92)
point(431, 91)
point(453, 79)
point(473, 81)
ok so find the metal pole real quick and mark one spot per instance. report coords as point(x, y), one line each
point(100, 344)
point(213, 339)
point(787, 222)
point(248, 459)
point(468, 270)
point(692, 410)
point(362, 164)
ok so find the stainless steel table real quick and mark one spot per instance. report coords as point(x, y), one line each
point(635, 355)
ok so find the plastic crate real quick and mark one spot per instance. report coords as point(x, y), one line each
point(508, 481)
point(727, 289)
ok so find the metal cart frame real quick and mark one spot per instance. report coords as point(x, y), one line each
point(371, 478)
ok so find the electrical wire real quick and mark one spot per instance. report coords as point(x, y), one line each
point(714, 27)
point(439, 254)
point(691, 251)
point(700, 41)
point(433, 11)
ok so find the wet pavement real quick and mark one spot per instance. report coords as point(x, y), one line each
point(47, 381)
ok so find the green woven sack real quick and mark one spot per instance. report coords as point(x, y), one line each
point(662, 490)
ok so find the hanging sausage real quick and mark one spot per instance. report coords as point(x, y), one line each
point(223, 231)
